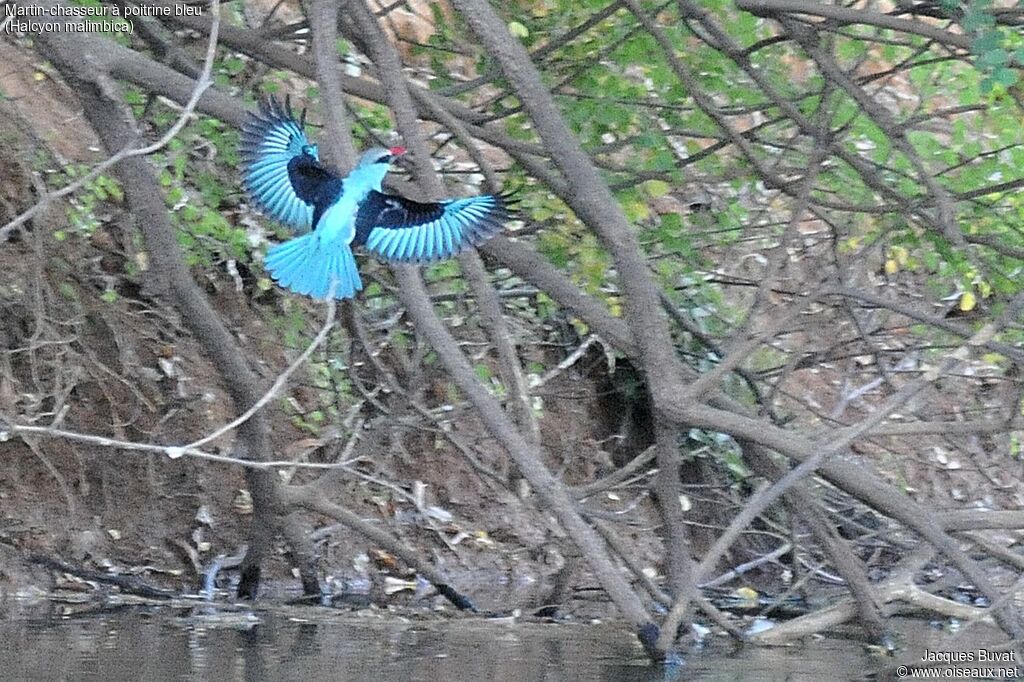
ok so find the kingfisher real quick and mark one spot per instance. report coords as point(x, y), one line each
point(286, 181)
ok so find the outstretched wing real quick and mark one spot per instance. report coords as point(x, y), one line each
point(405, 231)
point(283, 175)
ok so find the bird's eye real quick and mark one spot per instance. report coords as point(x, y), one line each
point(383, 158)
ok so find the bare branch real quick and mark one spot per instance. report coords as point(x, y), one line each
point(848, 15)
point(171, 451)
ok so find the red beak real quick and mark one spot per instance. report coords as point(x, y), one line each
point(396, 151)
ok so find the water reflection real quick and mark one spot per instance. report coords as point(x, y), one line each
point(53, 642)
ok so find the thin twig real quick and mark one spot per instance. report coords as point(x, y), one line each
point(282, 379)
point(568, 362)
point(8, 428)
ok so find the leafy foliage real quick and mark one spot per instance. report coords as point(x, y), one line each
point(950, 123)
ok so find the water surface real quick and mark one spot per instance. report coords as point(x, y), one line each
point(60, 642)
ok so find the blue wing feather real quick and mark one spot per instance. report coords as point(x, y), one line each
point(283, 174)
point(401, 230)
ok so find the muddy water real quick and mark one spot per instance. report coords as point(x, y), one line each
point(49, 641)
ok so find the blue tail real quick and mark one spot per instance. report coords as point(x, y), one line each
point(307, 266)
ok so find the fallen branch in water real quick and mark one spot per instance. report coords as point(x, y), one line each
point(126, 583)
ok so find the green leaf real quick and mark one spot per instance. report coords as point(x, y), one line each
point(1006, 76)
point(968, 301)
point(657, 188)
point(986, 42)
point(975, 18)
point(994, 57)
point(518, 30)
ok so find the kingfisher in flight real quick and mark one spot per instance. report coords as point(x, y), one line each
point(286, 181)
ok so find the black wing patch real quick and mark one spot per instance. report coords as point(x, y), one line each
point(405, 231)
point(391, 210)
